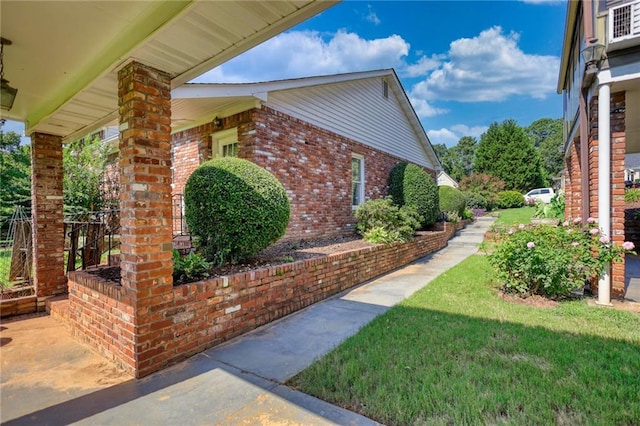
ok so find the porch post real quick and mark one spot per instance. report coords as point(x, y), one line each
point(604, 183)
point(46, 212)
point(145, 200)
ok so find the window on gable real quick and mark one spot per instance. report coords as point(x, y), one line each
point(357, 180)
point(225, 143)
point(385, 89)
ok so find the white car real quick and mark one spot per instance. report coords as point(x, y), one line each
point(543, 194)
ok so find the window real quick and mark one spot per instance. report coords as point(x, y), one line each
point(385, 89)
point(225, 143)
point(357, 180)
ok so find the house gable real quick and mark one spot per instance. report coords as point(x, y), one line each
point(359, 110)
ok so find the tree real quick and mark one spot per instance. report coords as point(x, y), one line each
point(441, 151)
point(547, 138)
point(462, 156)
point(86, 187)
point(15, 174)
point(507, 152)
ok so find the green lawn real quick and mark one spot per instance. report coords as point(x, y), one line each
point(456, 353)
point(514, 216)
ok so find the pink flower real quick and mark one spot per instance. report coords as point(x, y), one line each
point(594, 231)
point(628, 245)
point(530, 244)
point(576, 220)
point(591, 220)
point(605, 240)
point(521, 226)
point(565, 223)
point(575, 244)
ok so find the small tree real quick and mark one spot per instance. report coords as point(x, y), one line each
point(410, 185)
point(234, 208)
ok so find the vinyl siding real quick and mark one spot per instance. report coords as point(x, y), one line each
point(357, 110)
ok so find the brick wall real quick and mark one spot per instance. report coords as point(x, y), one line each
point(313, 164)
point(193, 317)
point(573, 181)
point(48, 219)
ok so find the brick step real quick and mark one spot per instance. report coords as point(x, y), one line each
point(58, 307)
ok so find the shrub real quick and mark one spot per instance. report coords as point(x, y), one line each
point(632, 194)
point(478, 212)
point(190, 268)
point(234, 209)
point(467, 214)
point(553, 210)
point(552, 261)
point(410, 185)
point(481, 182)
point(380, 221)
point(510, 200)
point(451, 200)
point(475, 200)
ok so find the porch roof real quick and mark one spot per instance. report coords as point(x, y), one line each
point(64, 56)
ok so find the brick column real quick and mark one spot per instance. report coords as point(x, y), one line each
point(46, 212)
point(573, 182)
point(618, 150)
point(145, 198)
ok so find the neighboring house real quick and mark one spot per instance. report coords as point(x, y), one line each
point(632, 168)
point(331, 140)
point(445, 180)
point(600, 80)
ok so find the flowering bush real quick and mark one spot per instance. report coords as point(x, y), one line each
point(552, 261)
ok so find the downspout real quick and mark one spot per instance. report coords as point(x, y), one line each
point(604, 183)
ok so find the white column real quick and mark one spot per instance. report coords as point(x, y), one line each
point(604, 183)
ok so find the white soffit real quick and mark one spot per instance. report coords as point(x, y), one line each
point(65, 55)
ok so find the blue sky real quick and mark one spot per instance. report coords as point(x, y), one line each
point(464, 65)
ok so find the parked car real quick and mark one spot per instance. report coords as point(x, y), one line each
point(543, 194)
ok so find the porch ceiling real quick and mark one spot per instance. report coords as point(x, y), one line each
point(65, 55)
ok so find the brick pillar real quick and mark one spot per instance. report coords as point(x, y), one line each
point(145, 198)
point(618, 150)
point(46, 212)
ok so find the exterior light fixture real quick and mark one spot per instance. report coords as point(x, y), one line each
point(217, 122)
point(8, 93)
point(592, 54)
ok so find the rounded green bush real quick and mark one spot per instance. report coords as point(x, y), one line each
point(510, 200)
point(452, 200)
point(234, 209)
point(411, 185)
point(476, 200)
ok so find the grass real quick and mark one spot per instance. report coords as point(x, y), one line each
point(456, 353)
point(515, 216)
point(5, 264)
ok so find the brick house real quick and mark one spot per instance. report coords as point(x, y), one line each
point(331, 140)
point(600, 80)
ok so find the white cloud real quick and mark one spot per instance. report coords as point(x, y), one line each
point(452, 135)
point(489, 67)
point(425, 109)
point(307, 53)
point(372, 17)
point(423, 66)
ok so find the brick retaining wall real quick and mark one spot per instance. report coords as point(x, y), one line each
point(196, 316)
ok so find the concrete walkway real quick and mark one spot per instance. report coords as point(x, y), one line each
point(241, 381)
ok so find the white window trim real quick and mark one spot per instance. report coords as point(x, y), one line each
point(221, 139)
point(362, 179)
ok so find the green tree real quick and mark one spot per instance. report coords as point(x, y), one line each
point(507, 152)
point(461, 157)
point(441, 151)
point(15, 174)
point(546, 134)
point(86, 184)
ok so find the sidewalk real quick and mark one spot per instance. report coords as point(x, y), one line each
point(241, 381)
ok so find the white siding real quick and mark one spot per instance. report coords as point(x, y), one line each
point(358, 110)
